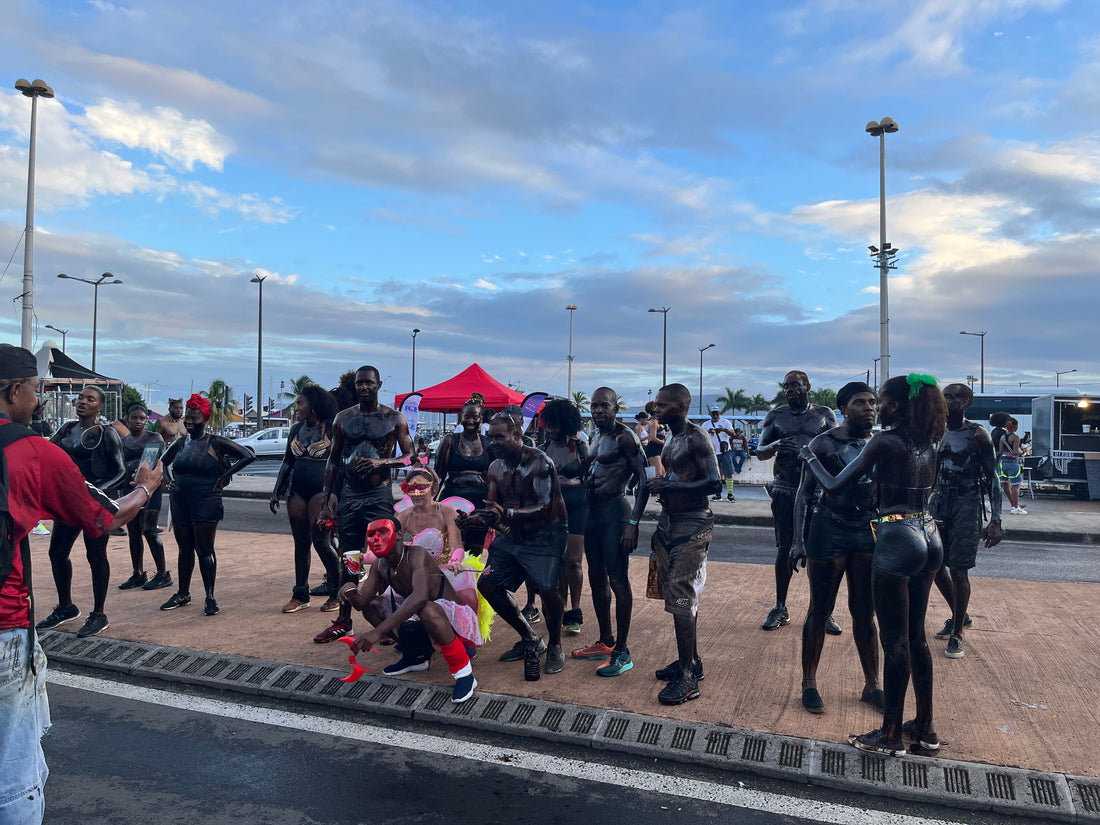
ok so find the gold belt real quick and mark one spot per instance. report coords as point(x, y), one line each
point(898, 517)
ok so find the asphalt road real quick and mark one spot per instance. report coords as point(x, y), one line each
point(756, 545)
point(124, 751)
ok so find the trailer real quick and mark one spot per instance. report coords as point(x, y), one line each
point(1066, 443)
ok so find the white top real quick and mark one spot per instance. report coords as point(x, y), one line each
point(717, 438)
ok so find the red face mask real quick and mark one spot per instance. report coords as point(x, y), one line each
point(419, 487)
point(381, 536)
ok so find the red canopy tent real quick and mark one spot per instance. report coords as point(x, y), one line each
point(454, 392)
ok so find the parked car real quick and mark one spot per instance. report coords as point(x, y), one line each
point(269, 442)
point(754, 442)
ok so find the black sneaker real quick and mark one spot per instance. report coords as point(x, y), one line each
point(716, 498)
point(729, 497)
point(678, 691)
point(926, 739)
point(776, 619)
point(177, 600)
point(96, 624)
point(832, 628)
point(211, 606)
point(949, 627)
point(518, 649)
point(60, 616)
point(876, 742)
point(136, 580)
point(531, 614)
point(812, 701)
point(672, 671)
point(531, 667)
point(406, 665)
point(955, 648)
point(555, 659)
point(323, 589)
point(158, 581)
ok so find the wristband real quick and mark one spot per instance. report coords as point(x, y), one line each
point(634, 522)
point(148, 495)
point(511, 512)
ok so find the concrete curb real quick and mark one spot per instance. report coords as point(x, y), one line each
point(1035, 794)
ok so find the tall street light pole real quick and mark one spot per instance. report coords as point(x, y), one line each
point(415, 332)
point(982, 336)
point(701, 351)
point(664, 345)
point(884, 251)
point(64, 332)
point(1058, 377)
point(569, 381)
point(34, 91)
point(876, 384)
point(259, 279)
point(106, 279)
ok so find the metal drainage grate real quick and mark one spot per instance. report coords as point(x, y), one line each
point(237, 673)
point(833, 762)
point(308, 683)
point(1090, 797)
point(718, 743)
point(465, 708)
point(616, 728)
point(156, 658)
point(1044, 791)
point(409, 697)
point(873, 768)
point(173, 664)
point(437, 701)
point(583, 723)
point(358, 689)
point(331, 688)
point(384, 692)
point(260, 676)
point(914, 774)
point(108, 653)
point(135, 655)
point(1000, 786)
point(493, 710)
point(551, 720)
point(522, 714)
point(215, 669)
point(649, 733)
point(957, 780)
point(755, 749)
point(196, 666)
point(288, 676)
point(791, 755)
point(683, 739)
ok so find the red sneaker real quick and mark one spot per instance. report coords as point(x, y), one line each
point(597, 650)
point(334, 631)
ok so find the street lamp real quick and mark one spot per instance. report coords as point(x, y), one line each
point(701, 351)
point(415, 332)
point(876, 360)
point(259, 279)
point(102, 280)
point(34, 91)
point(63, 332)
point(982, 336)
point(664, 345)
point(569, 381)
point(1058, 376)
point(885, 252)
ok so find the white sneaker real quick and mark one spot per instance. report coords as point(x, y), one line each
point(40, 530)
point(1020, 511)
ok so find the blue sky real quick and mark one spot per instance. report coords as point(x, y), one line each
point(470, 169)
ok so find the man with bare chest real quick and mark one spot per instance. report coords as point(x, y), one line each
point(611, 533)
point(171, 426)
point(525, 498)
point(682, 539)
point(786, 430)
point(405, 583)
point(362, 456)
point(966, 466)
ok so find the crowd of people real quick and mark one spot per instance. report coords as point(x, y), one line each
point(891, 512)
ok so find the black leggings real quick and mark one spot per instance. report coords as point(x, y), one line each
point(61, 546)
point(197, 539)
point(307, 535)
point(145, 526)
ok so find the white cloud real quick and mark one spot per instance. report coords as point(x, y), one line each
point(251, 207)
point(482, 283)
point(164, 132)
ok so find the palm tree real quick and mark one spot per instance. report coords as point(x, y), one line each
point(222, 403)
point(758, 403)
point(580, 398)
point(824, 396)
point(622, 404)
point(296, 386)
point(734, 401)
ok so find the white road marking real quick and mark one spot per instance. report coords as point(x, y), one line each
point(739, 797)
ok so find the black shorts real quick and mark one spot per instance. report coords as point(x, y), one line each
point(355, 512)
point(783, 515)
point(307, 478)
point(908, 548)
point(653, 450)
point(193, 508)
point(512, 561)
point(959, 518)
point(603, 538)
point(576, 505)
point(832, 537)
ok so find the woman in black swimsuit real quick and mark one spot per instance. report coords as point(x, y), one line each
point(97, 450)
point(198, 466)
point(463, 459)
point(302, 473)
point(135, 441)
point(562, 420)
point(908, 550)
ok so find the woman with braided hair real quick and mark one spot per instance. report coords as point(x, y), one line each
point(198, 466)
point(902, 461)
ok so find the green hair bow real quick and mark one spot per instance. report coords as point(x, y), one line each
point(915, 381)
